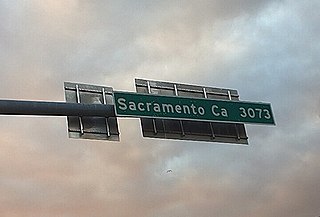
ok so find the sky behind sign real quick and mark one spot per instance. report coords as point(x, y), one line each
point(267, 50)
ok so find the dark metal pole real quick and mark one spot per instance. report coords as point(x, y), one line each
point(17, 107)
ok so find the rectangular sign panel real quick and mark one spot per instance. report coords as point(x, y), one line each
point(190, 130)
point(174, 107)
point(101, 128)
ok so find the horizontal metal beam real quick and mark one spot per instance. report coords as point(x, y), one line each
point(17, 107)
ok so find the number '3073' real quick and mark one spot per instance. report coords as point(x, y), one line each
point(255, 113)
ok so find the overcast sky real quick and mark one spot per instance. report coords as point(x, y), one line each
point(268, 50)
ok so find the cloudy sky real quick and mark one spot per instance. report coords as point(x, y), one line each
point(267, 50)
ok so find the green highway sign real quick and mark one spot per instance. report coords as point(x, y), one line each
point(197, 109)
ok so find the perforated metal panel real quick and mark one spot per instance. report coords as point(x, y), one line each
point(101, 128)
point(190, 130)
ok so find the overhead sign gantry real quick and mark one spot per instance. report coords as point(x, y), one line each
point(167, 110)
